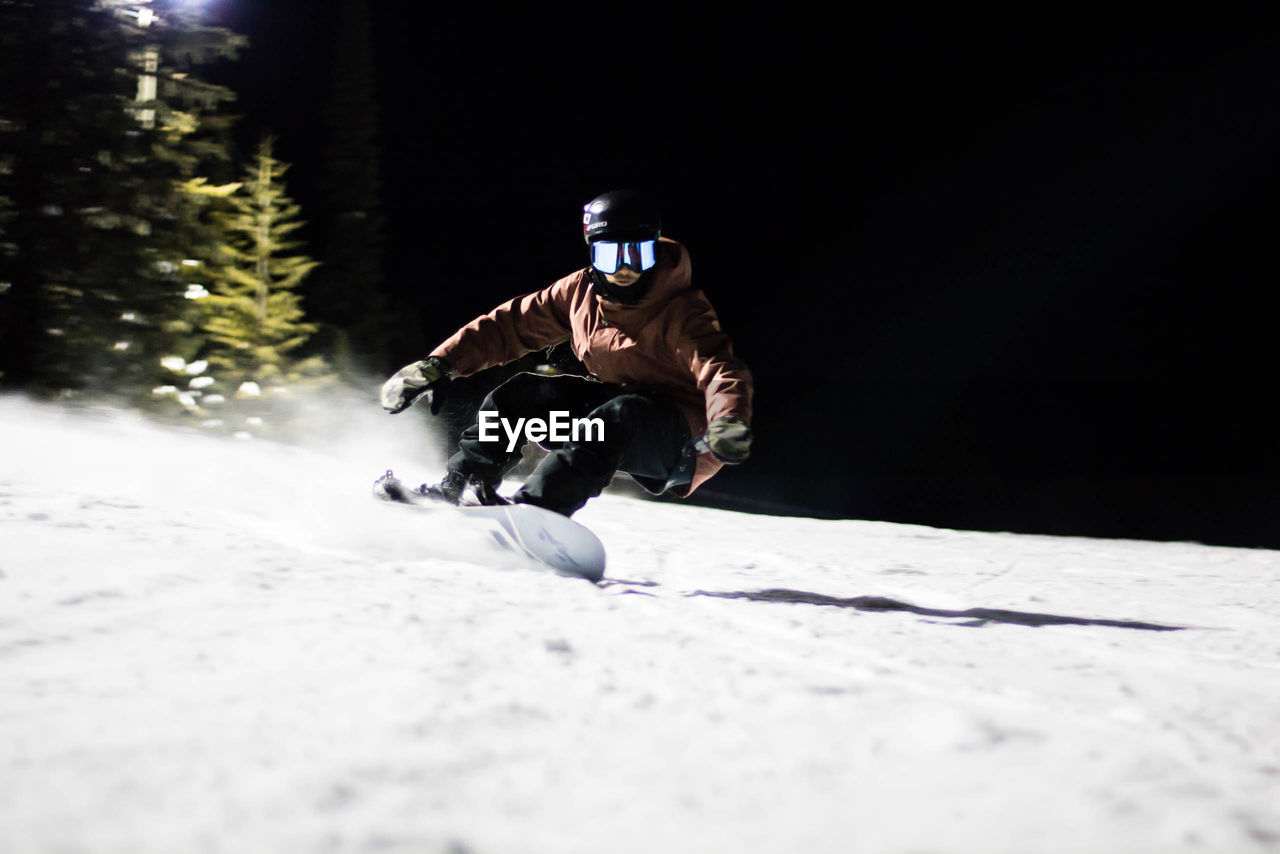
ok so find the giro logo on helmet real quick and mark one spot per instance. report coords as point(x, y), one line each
point(621, 215)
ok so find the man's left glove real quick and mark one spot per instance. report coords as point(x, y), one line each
point(431, 377)
point(729, 440)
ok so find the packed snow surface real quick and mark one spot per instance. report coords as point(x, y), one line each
point(226, 646)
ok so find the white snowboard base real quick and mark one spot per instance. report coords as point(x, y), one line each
point(553, 540)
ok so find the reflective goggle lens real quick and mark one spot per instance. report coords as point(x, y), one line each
point(607, 256)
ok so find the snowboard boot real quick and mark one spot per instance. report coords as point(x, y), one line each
point(448, 491)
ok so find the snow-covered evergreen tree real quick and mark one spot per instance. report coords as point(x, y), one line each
point(102, 119)
point(253, 317)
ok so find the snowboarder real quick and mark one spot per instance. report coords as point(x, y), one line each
point(671, 402)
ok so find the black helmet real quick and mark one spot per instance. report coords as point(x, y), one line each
point(621, 215)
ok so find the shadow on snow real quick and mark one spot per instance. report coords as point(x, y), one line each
point(976, 616)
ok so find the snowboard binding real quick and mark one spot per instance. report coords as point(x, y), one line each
point(448, 491)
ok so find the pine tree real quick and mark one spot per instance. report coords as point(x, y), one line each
point(71, 231)
point(254, 318)
point(94, 225)
point(189, 139)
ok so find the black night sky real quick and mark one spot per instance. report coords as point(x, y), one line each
point(1006, 277)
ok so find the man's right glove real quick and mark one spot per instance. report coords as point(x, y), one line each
point(430, 377)
point(729, 440)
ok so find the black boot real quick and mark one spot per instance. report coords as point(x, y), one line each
point(448, 490)
point(389, 488)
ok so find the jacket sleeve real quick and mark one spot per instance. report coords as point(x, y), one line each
point(519, 326)
point(703, 346)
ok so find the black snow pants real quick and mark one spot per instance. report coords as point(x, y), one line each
point(644, 435)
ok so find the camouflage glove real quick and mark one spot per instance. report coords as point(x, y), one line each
point(729, 440)
point(431, 377)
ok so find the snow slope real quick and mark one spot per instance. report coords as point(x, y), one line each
point(216, 646)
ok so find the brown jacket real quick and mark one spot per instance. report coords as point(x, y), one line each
point(669, 343)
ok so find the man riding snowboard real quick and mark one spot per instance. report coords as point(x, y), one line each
point(662, 372)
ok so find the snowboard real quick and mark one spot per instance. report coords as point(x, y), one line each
point(553, 541)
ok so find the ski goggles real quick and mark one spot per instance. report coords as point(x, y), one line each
point(607, 256)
